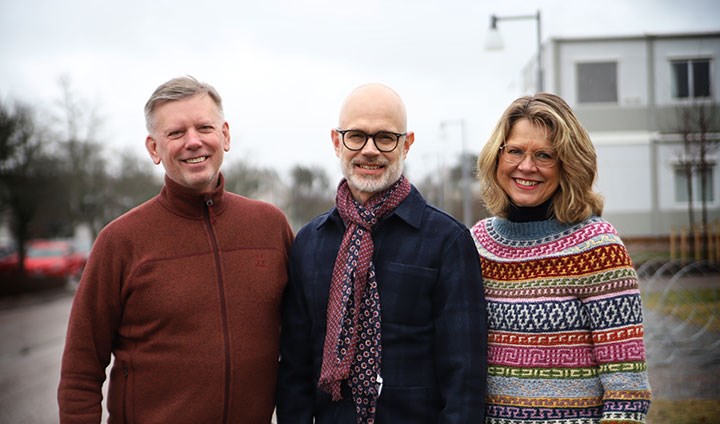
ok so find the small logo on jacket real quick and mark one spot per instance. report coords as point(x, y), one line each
point(260, 261)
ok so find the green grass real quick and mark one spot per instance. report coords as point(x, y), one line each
point(697, 306)
point(686, 411)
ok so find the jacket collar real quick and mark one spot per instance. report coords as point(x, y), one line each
point(411, 211)
point(187, 203)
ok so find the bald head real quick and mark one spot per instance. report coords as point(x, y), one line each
point(372, 103)
point(377, 111)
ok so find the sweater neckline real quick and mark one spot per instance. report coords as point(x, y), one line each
point(527, 231)
point(540, 212)
point(190, 204)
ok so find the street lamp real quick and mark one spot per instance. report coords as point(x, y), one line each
point(465, 171)
point(494, 41)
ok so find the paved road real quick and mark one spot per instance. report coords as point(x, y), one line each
point(32, 330)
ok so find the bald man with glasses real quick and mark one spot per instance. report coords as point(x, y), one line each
point(384, 314)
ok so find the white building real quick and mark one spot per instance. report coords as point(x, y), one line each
point(628, 92)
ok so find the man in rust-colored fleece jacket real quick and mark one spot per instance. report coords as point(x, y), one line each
point(183, 291)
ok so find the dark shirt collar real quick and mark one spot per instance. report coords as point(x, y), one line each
point(410, 210)
point(540, 212)
point(187, 203)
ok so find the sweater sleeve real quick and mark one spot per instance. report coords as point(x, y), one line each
point(614, 310)
point(93, 323)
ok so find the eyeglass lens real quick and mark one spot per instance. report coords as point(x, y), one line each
point(385, 141)
point(515, 155)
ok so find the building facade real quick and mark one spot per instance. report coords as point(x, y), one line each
point(641, 98)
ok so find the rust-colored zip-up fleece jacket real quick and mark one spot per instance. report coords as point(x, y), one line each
point(184, 291)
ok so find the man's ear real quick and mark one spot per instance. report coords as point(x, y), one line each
point(151, 146)
point(226, 136)
point(409, 140)
point(337, 143)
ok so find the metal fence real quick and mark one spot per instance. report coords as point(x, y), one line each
point(682, 320)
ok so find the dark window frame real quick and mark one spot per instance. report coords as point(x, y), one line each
point(691, 78)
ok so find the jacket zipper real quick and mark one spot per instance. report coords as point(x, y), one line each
point(125, 374)
point(223, 309)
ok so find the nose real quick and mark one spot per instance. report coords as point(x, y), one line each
point(527, 162)
point(192, 139)
point(370, 148)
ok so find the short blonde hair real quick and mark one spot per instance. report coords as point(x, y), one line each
point(575, 200)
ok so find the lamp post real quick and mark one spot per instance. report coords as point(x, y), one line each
point(465, 172)
point(494, 41)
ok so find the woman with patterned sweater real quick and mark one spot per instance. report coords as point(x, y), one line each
point(565, 319)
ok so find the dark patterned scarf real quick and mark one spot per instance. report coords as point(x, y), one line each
point(353, 348)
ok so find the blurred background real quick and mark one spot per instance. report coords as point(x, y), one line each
point(642, 75)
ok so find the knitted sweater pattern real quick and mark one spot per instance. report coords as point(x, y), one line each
point(565, 338)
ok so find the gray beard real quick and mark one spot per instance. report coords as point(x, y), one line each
point(374, 185)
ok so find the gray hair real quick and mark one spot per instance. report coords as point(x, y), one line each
point(177, 89)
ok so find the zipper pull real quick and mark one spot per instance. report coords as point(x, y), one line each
point(210, 210)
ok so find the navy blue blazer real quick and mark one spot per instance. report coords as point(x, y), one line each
point(434, 337)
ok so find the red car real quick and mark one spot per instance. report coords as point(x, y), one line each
point(48, 258)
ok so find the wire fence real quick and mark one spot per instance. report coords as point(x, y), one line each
point(682, 316)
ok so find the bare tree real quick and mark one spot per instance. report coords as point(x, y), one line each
point(131, 181)
point(310, 194)
point(686, 162)
point(81, 153)
point(698, 125)
point(245, 179)
point(26, 172)
point(707, 122)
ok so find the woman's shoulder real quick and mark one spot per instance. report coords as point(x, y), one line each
point(548, 237)
point(596, 226)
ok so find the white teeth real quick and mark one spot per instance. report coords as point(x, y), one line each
point(196, 160)
point(369, 167)
point(526, 182)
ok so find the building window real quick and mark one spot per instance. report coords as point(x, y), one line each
point(690, 78)
point(681, 188)
point(597, 82)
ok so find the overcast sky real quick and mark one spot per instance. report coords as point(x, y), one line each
point(284, 66)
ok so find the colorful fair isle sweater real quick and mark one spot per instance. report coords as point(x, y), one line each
point(565, 338)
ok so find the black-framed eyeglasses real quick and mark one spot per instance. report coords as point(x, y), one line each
point(355, 140)
point(541, 158)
